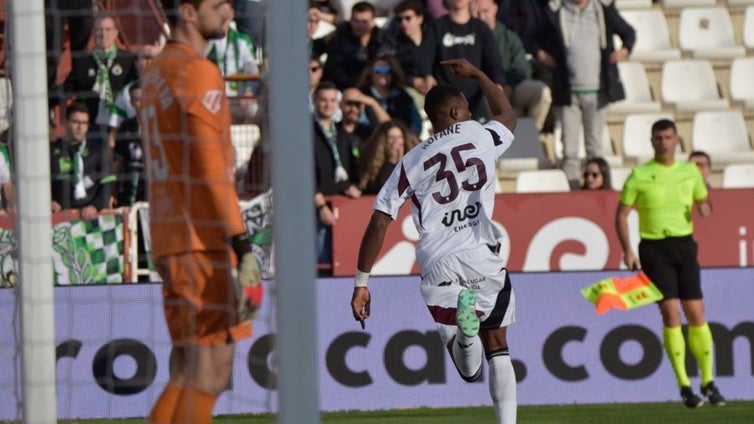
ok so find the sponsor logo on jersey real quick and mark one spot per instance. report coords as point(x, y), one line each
point(212, 100)
point(450, 40)
point(458, 215)
point(471, 283)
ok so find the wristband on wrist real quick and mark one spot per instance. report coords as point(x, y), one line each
point(322, 206)
point(241, 244)
point(361, 279)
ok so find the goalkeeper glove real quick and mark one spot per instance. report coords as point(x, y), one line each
point(247, 281)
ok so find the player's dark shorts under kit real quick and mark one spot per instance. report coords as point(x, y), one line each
point(671, 263)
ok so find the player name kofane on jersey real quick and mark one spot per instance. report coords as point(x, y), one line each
point(453, 129)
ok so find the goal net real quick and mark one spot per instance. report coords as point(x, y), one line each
point(91, 273)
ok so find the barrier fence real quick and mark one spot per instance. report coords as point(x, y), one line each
point(572, 231)
point(543, 232)
point(114, 248)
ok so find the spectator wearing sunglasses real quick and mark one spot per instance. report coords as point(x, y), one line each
point(597, 175)
point(383, 79)
point(353, 44)
point(409, 33)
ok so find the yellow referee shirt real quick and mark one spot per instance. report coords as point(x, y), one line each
point(663, 196)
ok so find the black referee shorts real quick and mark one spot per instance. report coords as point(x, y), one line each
point(672, 265)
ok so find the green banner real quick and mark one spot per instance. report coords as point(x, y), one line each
point(83, 252)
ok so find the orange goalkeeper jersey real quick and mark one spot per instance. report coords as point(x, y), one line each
point(193, 204)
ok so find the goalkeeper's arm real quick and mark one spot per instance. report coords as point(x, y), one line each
point(248, 279)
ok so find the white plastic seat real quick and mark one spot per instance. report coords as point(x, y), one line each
point(618, 177)
point(542, 181)
point(633, 4)
point(741, 82)
point(738, 175)
point(690, 86)
point(381, 21)
point(638, 93)
point(739, 3)
point(747, 28)
point(723, 135)
point(637, 134)
point(652, 36)
point(323, 28)
point(245, 138)
point(608, 152)
point(676, 4)
point(707, 32)
point(526, 152)
point(6, 103)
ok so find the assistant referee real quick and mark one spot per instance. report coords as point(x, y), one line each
point(663, 191)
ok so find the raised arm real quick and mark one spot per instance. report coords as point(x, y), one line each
point(501, 109)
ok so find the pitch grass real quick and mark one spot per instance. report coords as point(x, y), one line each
point(740, 412)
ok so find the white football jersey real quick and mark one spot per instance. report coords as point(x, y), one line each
point(450, 179)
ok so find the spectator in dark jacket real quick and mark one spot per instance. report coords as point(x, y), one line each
point(456, 35)
point(383, 80)
point(576, 41)
point(335, 167)
point(355, 43)
point(96, 78)
point(80, 168)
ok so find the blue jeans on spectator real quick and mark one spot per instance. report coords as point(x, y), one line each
point(324, 243)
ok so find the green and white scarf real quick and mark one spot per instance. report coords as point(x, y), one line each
point(102, 85)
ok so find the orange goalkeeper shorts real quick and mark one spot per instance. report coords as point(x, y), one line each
point(200, 301)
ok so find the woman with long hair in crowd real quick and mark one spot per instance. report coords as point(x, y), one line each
point(384, 80)
point(382, 152)
point(597, 175)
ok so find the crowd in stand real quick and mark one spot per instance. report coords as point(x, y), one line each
point(97, 162)
point(557, 63)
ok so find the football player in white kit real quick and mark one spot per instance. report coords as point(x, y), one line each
point(450, 181)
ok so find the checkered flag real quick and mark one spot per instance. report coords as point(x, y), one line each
point(89, 252)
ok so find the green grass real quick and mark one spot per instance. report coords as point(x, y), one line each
point(618, 413)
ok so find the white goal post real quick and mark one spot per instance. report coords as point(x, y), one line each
point(293, 230)
point(33, 222)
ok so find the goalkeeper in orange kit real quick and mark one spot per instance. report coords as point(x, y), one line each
point(198, 236)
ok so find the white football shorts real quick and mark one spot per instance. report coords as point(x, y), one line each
point(478, 269)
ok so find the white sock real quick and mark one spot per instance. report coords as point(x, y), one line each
point(503, 387)
point(467, 355)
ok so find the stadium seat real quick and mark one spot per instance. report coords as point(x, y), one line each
point(6, 103)
point(633, 4)
point(638, 93)
point(637, 130)
point(381, 21)
point(732, 4)
point(618, 177)
point(741, 83)
point(608, 152)
point(542, 181)
point(723, 135)
point(707, 33)
point(676, 4)
point(526, 151)
point(747, 28)
point(653, 37)
point(738, 175)
point(245, 138)
point(690, 85)
point(324, 28)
